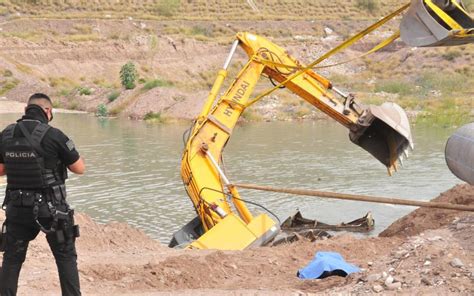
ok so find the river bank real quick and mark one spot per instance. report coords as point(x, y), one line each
point(428, 252)
point(9, 106)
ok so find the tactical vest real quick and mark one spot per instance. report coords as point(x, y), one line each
point(24, 159)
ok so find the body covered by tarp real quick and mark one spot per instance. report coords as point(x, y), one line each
point(325, 264)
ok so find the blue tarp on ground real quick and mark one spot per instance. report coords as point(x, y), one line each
point(326, 262)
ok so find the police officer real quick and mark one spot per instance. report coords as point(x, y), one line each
point(35, 157)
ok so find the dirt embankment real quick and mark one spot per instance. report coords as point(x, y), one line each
point(116, 259)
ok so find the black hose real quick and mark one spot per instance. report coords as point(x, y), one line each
point(247, 201)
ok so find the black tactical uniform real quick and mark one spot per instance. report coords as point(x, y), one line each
point(35, 199)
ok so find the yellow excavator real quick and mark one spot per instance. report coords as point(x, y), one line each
point(223, 220)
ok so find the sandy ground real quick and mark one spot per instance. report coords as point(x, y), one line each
point(427, 252)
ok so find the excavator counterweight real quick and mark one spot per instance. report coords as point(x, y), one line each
point(430, 23)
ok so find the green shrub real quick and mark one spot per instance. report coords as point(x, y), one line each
point(153, 116)
point(65, 92)
point(200, 30)
point(101, 111)
point(394, 87)
point(369, 5)
point(451, 55)
point(7, 73)
point(444, 82)
point(167, 7)
point(113, 95)
point(8, 86)
point(84, 91)
point(128, 75)
point(155, 83)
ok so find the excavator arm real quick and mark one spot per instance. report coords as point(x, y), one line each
point(225, 220)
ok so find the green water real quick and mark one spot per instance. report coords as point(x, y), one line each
point(133, 170)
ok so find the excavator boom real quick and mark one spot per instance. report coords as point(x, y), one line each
point(223, 220)
point(226, 223)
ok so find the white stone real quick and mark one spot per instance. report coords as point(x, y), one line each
point(328, 31)
point(377, 288)
point(427, 263)
point(456, 262)
point(394, 286)
point(388, 280)
point(435, 238)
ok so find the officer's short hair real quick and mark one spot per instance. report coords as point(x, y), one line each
point(41, 100)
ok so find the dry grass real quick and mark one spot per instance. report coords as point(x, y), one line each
point(201, 9)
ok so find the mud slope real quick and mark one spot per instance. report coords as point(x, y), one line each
point(117, 259)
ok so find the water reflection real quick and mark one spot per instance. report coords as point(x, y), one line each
point(133, 170)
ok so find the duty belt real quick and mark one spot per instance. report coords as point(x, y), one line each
point(33, 199)
point(25, 198)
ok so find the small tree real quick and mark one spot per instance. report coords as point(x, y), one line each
point(128, 75)
point(102, 111)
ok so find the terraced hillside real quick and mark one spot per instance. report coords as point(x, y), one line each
point(204, 9)
point(74, 50)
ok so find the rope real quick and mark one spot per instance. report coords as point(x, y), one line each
point(364, 198)
point(378, 47)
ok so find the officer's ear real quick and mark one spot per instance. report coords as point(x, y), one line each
point(49, 113)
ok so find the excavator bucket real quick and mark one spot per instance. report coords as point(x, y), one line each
point(437, 23)
point(384, 131)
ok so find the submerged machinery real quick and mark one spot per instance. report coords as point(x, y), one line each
point(223, 220)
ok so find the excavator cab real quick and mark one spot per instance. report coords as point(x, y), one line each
point(430, 23)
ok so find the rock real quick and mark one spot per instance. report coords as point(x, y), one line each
point(394, 286)
point(328, 31)
point(400, 254)
point(457, 263)
point(427, 263)
point(388, 280)
point(384, 275)
point(460, 226)
point(435, 238)
point(426, 281)
point(370, 263)
point(377, 288)
point(374, 277)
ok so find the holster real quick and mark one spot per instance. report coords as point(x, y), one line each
point(66, 227)
point(3, 237)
